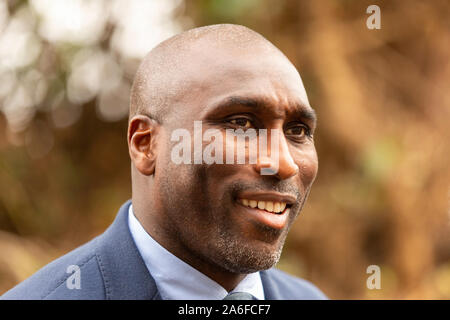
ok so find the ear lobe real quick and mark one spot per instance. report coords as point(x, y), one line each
point(142, 143)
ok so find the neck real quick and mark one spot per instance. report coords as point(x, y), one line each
point(152, 226)
point(228, 280)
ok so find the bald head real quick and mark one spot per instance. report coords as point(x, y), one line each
point(177, 65)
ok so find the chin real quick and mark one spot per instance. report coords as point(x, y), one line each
point(250, 263)
point(243, 257)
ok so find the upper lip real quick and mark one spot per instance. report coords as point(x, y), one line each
point(268, 196)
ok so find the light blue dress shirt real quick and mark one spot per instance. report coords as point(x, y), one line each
point(177, 280)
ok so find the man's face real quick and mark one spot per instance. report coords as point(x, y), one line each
point(208, 208)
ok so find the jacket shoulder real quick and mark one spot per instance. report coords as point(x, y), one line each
point(57, 279)
point(293, 288)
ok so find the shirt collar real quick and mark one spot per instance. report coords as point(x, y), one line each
point(177, 280)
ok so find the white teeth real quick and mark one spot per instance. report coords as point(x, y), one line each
point(277, 207)
point(271, 206)
point(261, 205)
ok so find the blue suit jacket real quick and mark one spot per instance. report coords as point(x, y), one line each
point(111, 267)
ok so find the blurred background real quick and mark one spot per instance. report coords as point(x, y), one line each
point(382, 194)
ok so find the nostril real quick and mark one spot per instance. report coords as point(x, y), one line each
point(286, 171)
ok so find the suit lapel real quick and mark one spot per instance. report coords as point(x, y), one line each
point(125, 275)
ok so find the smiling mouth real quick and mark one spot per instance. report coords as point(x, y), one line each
point(275, 207)
point(268, 208)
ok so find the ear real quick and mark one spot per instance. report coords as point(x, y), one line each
point(142, 132)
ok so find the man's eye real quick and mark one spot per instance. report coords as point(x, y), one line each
point(242, 122)
point(297, 131)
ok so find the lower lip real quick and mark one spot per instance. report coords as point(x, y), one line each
point(273, 220)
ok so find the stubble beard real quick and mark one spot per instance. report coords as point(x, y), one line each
point(238, 256)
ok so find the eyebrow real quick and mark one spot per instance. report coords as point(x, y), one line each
point(260, 104)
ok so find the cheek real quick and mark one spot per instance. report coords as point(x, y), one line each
point(308, 164)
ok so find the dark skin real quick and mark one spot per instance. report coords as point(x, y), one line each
point(193, 210)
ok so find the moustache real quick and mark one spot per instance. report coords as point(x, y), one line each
point(264, 185)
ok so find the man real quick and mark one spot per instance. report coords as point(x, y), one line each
point(197, 230)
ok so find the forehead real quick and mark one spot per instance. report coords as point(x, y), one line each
point(223, 73)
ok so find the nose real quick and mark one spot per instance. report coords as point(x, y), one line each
point(279, 163)
point(287, 167)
